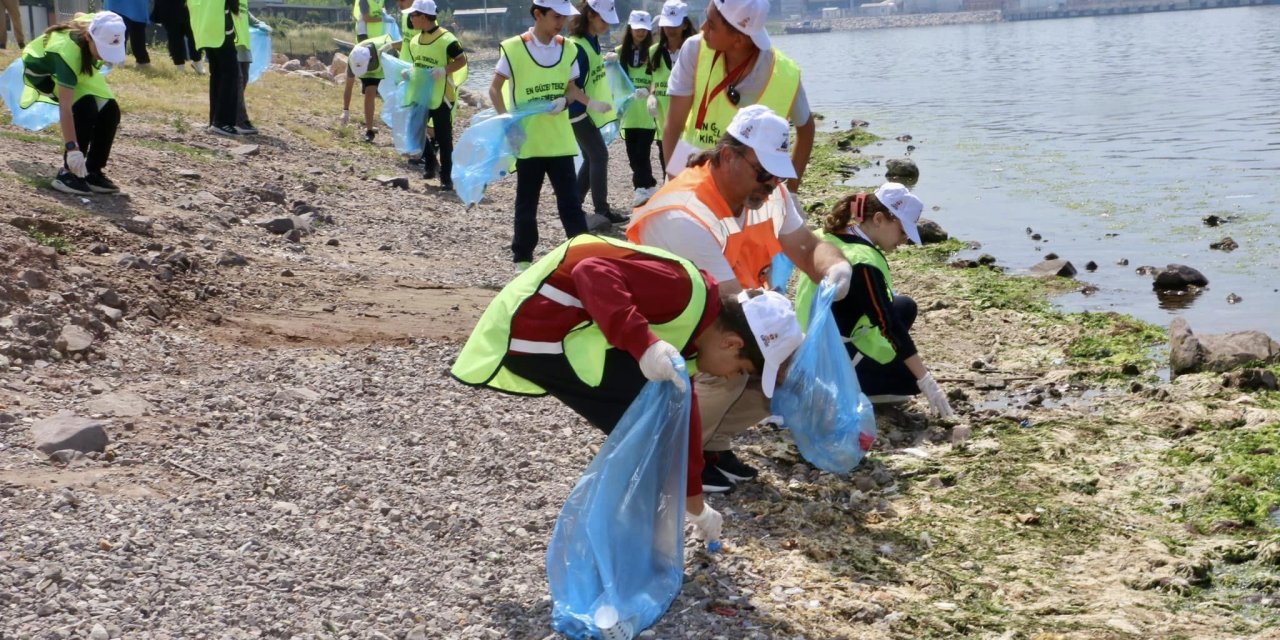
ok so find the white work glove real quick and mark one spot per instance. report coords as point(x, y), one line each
point(516, 137)
point(937, 399)
point(346, 117)
point(706, 525)
point(76, 164)
point(653, 106)
point(641, 93)
point(612, 56)
point(657, 364)
point(599, 106)
point(437, 73)
point(557, 106)
point(840, 275)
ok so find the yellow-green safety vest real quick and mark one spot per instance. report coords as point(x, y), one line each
point(585, 347)
point(241, 23)
point(374, 26)
point(661, 74)
point(636, 115)
point(596, 85)
point(59, 43)
point(866, 336)
point(779, 94)
point(546, 135)
point(430, 55)
point(378, 43)
point(208, 22)
point(406, 29)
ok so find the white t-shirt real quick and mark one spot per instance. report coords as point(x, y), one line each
point(681, 234)
point(685, 71)
point(544, 54)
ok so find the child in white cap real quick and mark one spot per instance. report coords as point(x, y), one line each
point(364, 63)
point(62, 67)
point(876, 319)
point(674, 27)
point(637, 121)
point(593, 20)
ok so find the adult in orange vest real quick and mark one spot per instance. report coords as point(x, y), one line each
point(730, 65)
point(730, 214)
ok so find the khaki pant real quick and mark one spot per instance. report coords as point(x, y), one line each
point(15, 18)
point(727, 407)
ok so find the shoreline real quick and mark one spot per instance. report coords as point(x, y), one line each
point(285, 435)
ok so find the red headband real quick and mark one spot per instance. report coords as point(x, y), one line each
point(858, 207)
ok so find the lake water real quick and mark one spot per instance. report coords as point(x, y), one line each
point(1111, 137)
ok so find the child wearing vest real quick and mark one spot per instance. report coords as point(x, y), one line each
point(647, 306)
point(876, 319)
point(365, 64)
point(62, 67)
point(213, 23)
point(674, 28)
point(585, 29)
point(537, 68)
point(436, 48)
point(637, 122)
point(368, 17)
point(244, 58)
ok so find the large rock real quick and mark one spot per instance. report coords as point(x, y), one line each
point(1179, 277)
point(69, 431)
point(339, 65)
point(931, 232)
point(1218, 352)
point(1051, 268)
point(120, 404)
point(292, 65)
point(903, 170)
point(73, 339)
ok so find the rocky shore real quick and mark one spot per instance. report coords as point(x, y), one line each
point(859, 23)
point(260, 330)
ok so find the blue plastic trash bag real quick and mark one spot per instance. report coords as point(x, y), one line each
point(780, 273)
point(391, 27)
point(618, 546)
point(482, 154)
point(260, 49)
point(620, 86)
point(405, 103)
point(820, 400)
point(30, 109)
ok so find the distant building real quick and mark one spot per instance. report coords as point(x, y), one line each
point(882, 8)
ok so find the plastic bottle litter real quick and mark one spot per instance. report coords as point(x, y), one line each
point(611, 628)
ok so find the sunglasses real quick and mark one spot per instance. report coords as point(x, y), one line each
point(762, 176)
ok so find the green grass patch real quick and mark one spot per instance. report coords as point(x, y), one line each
point(830, 165)
point(1244, 469)
point(1111, 339)
point(57, 243)
point(29, 136)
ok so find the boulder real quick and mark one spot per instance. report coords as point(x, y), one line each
point(120, 404)
point(279, 58)
point(903, 170)
point(314, 64)
point(1251, 380)
point(1225, 244)
point(1185, 352)
point(1052, 268)
point(339, 65)
point(1218, 352)
point(231, 259)
point(73, 339)
point(1179, 277)
point(245, 150)
point(269, 194)
point(292, 65)
point(931, 232)
point(69, 431)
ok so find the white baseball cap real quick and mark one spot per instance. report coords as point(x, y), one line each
point(747, 16)
point(562, 7)
point(423, 6)
point(673, 13)
point(640, 20)
point(773, 324)
point(606, 10)
point(758, 127)
point(362, 58)
point(904, 205)
point(107, 32)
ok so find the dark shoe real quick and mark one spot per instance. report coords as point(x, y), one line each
point(713, 481)
point(68, 182)
point(733, 468)
point(246, 129)
point(417, 162)
point(615, 217)
point(369, 134)
point(101, 184)
point(446, 186)
point(429, 173)
point(224, 130)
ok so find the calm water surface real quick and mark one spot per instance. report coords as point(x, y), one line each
point(1111, 137)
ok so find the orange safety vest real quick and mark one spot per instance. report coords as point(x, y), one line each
point(749, 245)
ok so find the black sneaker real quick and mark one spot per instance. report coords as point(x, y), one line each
point(615, 217)
point(713, 481)
point(417, 162)
point(369, 134)
point(223, 130)
point(446, 186)
point(246, 129)
point(733, 468)
point(68, 182)
point(101, 184)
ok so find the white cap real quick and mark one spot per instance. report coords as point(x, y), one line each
point(640, 20)
point(423, 6)
point(904, 205)
point(773, 324)
point(107, 32)
point(606, 10)
point(758, 127)
point(562, 7)
point(361, 58)
point(673, 13)
point(747, 16)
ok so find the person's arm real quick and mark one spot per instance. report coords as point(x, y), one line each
point(680, 92)
point(811, 254)
point(804, 149)
point(606, 288)
point(495, 87)
point(673, 128)
point(66, 121)
point(574, 93)
point(364, 11)
point(456, 63)
point(680, 234)
point(693, 481)
point(578, 79)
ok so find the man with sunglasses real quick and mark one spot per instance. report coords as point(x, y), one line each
point(730, 214)
point(732, 64)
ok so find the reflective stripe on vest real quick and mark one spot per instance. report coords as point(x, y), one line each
point(60, 43)
point(546, 135)
point(374, 27)
point(865, 336)
point(430, 55)
point(585, 347)
point(748, 246)
point(779, 94)
point(596, 86)
point(661, 74)
point(636, 115)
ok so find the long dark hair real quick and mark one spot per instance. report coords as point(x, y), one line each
point(733, 319)
point(629, 49)
point(842, 213)
point(81, 29)
point(664, 55)
point(580, 25)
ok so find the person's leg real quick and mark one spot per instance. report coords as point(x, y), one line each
point(594, 174)
point(529, 174)
point(15, 20)
point(662, 165)
point(224, 83)
point(103, 122)
point(639, 143)
point(137, 36)
point(560, 173)
point(893, 378)
point(176, 41)
point(84, 113)
point(242, 111)
point(430, 161)
point(602, 406)
point(442, 123)
point(370, 92)
point(728, 406)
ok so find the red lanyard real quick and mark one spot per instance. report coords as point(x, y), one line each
point(729, 78)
